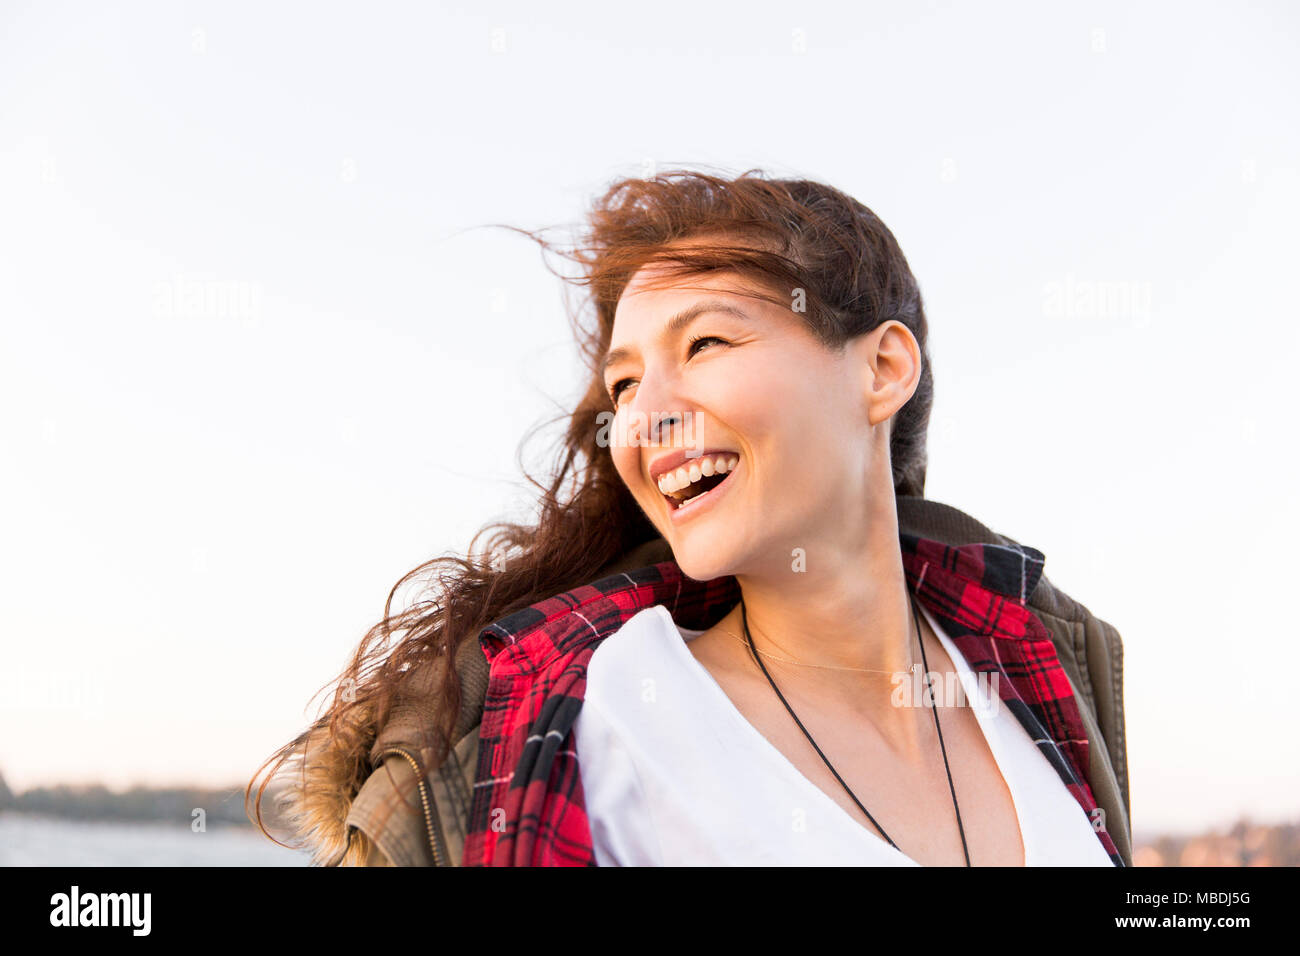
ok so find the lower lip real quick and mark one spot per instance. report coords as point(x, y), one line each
point(701, 503)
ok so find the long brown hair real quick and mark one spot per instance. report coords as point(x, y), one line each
point(781, 234)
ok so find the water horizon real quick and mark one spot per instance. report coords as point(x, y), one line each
point(36, 839)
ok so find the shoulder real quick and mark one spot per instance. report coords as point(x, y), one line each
point(634, 650)
point(643, 679)
point(553, 630)
point(388, 813)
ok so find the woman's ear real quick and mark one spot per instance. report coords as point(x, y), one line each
point(891, 364)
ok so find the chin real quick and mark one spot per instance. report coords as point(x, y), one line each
point(702, 567)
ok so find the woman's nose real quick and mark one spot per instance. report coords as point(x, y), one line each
point(658, 413)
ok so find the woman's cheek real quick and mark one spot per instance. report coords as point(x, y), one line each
point(625, 463)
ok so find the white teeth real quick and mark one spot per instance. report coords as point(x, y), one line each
point(689, 474)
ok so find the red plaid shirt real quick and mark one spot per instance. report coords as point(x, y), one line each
point(528, 806)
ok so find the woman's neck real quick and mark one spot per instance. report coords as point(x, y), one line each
point(850, 614)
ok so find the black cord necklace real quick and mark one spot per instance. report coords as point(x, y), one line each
point(749, 642)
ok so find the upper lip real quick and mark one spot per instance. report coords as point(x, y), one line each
point(675, 459)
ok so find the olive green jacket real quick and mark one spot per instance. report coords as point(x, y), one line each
point(427, 826)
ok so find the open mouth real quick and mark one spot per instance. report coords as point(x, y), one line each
point(681, 497)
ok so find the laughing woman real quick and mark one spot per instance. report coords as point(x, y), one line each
point(739, 633)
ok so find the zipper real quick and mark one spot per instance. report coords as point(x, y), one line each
point(433, 826)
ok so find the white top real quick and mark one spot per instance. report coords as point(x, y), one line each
point(674, 775)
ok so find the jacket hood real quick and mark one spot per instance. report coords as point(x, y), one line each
point(325, 775)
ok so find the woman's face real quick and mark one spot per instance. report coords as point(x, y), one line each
point(808, 427)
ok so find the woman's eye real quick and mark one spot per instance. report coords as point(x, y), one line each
point(703, 338)
point(622, 383)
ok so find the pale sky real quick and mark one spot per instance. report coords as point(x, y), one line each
point(205, 499)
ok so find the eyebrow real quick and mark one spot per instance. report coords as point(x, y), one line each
point(676, 324)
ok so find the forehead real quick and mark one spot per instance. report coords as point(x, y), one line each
point(654, 307)
point(654, 280)
point(659, 299)
point(653, 287)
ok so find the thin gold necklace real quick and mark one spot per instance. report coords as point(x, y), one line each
point(831, 667)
